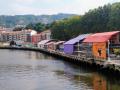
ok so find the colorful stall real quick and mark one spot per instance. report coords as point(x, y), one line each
point(72, 46)
point(101, 43)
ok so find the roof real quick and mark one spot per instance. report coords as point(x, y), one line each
point(77, 39)
point(101, 37)
point(46, 31)
point(52, 42)
point(43, 41)
point(59, 42)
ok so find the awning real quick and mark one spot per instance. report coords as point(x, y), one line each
point(43, 42)
point(77, 39)
point(100, 37)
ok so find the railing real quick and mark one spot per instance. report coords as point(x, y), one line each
point(114, 57)
point(114, 45)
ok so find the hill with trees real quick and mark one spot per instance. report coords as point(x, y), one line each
point(23, 20)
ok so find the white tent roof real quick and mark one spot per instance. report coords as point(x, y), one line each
point(43, 41)
point(50, 43)
point(59, 42)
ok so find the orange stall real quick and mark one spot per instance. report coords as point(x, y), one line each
point(100, 43)
point(99, 50)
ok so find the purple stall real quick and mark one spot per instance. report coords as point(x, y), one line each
point(70, 46)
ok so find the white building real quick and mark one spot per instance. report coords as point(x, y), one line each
point(24, 35)
point(42, 44)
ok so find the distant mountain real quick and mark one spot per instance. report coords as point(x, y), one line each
point(22, 20)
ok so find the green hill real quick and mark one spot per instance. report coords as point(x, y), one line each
point(22, 20)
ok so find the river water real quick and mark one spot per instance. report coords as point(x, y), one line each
point(29, 70)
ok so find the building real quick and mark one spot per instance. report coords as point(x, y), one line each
point(2, 30)
point(59, 46)
point(42, 44)
point(73, 46)
point(103, 44)
point(24, 35)
point(50, 45)
point(45, 35)
point(47, 44)
point(36, 38)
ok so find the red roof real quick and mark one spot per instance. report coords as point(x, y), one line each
point(100, 37)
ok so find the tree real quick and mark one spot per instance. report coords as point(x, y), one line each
point(65, 29)
point(96, 20)
point(30, 26)
point(106, 18)
point(18, 28)
point(114, 19)
point(39, 27)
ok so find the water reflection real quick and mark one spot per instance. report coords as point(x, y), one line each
point(27, 70)
point(99, 83)
point(38, 55)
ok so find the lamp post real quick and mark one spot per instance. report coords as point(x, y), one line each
point(108, 50)
point(78, 49)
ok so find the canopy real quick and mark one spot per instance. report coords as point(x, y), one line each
point(100, 37)
point(50, 43)
point(59, 42)
point(77, 39)
point(43, 42)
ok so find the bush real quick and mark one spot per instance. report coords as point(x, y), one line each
point(117, 51)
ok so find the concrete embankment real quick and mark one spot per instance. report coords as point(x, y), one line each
point(100, 65)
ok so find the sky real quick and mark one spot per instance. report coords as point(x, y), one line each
point(38, 7)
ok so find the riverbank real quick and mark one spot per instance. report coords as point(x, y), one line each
point(100, 65)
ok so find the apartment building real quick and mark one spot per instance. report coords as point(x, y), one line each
point(45, 35)
point(24, 35)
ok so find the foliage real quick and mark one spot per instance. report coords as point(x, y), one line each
point(39, 27)
point(114, 19)
point(117, 51)
point(17, 28)
point(106, 18)
point(95, 20)
point(66, 28)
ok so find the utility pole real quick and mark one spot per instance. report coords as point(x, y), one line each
point(78, 49)
point(108, 50)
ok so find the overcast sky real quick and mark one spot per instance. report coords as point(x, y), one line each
point(38, 7)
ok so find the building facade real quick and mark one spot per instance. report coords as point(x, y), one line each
point(24, 35)
point(73, 46)
point(45, 35)
point(104, 44)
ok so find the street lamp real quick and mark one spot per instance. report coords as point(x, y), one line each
point(108, 50)
point(78, 48)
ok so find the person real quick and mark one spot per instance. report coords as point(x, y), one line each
point(99, 52)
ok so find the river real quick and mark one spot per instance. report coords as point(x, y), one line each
point(29, 70)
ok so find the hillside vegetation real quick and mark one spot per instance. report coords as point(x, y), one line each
point(23, 20)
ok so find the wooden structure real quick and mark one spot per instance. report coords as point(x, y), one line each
point(59, 46)
point(42, 44)
point(73, 46)
point(101, 43)
point(50, 45)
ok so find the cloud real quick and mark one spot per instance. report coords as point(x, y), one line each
point(50, 6)
point(82, 6)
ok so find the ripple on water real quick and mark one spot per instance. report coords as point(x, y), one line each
point(27, 70)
